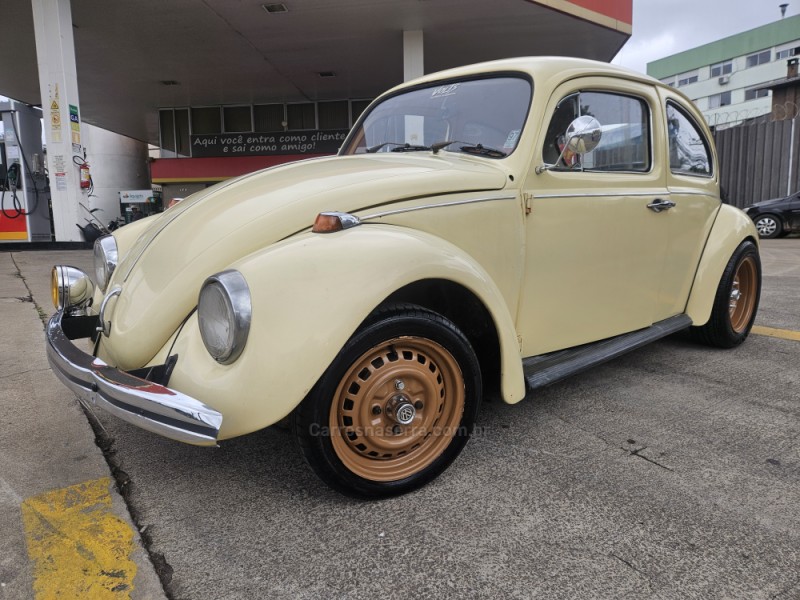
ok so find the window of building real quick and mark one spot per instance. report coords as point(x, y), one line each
point(177, 125)
point(669, 80)
point(717, 100)
point(754, 93)
point(687, 78)
point(688, 148)
point(356, 108)
point(787, 53)
point(183, 143)
point(759, 58)
point(625, 143)
point(333, 115)
point(237, 119)
point(301, 116)
point(269, 117)
point(723, 68)
point(166, 125)
point(206, 120)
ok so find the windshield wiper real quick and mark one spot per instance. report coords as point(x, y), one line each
point(401, 147)
point(478, 149)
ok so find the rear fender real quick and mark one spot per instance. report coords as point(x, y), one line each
point(730, 229)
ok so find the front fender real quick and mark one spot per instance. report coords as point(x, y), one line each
point(309, 295)
point(730, 229)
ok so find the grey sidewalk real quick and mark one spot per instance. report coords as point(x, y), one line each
point(46, 444)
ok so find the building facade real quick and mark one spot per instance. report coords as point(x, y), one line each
point(727, 78)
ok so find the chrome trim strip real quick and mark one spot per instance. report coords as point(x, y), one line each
point(143, 403)
point(623, 193)
point(683, 192)
point(427, 206)
point(604, 194)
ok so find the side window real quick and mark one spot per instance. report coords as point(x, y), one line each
point(625, 143)
point(688, 148)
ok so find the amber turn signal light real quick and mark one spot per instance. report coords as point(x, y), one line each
point(327, 223)
point(330, 222)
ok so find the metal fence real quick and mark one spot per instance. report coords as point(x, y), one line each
point(759, 160)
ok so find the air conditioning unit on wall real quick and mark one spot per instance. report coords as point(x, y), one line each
point(724, 79)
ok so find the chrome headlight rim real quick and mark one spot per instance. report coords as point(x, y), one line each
point(72, 289)
point(106, 257)
point(235, 294)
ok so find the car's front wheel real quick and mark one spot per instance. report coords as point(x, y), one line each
point(768, 226)
point(395, 408)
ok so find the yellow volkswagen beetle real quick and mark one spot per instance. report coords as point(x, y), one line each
point(491, 228)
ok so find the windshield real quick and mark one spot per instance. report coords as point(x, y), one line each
point(482, 117)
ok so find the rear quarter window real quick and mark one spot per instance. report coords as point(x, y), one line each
point(689, 150)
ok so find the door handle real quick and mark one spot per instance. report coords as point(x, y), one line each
point(658, 205)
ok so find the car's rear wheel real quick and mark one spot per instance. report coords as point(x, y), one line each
point(395, 408)
point(736, 300)
point(768, 226)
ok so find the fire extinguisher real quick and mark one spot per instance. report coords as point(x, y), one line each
point(86, 177)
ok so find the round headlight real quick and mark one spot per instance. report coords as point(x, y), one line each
point(223, 313)
point(105, 260)
point(71, 288)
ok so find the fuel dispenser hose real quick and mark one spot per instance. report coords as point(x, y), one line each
point(17, 205)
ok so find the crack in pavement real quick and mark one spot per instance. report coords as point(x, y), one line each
point(42, 314)
point(639, 572)
point(42, 370)
point(650, 460)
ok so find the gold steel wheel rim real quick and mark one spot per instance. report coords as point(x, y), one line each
point(743, 294)
point(397, 408)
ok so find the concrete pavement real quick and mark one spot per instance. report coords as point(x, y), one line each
point(65, 528)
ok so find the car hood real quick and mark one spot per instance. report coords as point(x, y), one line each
point(766, 203)
point(162, 273)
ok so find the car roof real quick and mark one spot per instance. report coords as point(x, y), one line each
point(540, 68)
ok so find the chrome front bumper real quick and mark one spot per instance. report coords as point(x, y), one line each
point(141, 402)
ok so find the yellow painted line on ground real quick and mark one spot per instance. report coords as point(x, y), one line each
point(79, 547)
point(784, 334)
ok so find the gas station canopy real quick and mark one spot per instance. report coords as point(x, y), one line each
point(135, 57)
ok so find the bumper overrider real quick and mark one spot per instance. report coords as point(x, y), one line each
point(143, 403)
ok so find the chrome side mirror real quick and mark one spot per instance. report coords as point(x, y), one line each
point(583, 135)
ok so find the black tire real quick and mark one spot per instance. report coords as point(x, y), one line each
point(364, 452)
point(732, 318)
point(768, 226)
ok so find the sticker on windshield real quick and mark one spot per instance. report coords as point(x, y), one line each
point(511, 140)
point(444, 90)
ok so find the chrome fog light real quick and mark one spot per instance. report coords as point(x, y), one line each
point(224, 312)
point(71, 289)
point(105, 260)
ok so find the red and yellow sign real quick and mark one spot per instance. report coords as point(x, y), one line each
point(12, 229)
point(614, 14)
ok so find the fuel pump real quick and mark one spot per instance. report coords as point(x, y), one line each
point(24, 192)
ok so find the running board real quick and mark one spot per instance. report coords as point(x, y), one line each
point(545, 369)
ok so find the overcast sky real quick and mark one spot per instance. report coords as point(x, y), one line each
point(665, 27)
